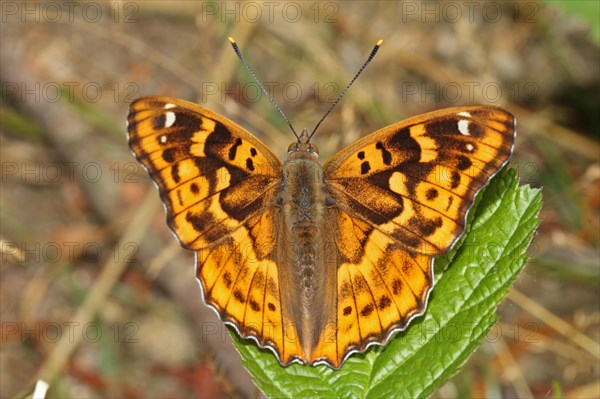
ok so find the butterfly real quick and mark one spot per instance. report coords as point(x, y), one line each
point(316, 262)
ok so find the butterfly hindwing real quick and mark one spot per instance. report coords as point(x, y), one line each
point(379, 290)
point(241, 280)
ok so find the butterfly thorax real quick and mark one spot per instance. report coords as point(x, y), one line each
point(303, 200)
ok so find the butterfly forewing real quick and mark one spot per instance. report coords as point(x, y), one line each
point(208, 169)
point(422, 174)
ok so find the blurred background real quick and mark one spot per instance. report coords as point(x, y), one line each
point(96, 296)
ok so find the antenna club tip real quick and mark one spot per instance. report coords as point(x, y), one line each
point(377, 44)
point(231, 40)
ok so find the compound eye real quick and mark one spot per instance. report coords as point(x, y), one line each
point(314, 149)
point(293, 147)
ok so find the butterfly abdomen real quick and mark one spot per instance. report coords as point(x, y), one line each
point(303, 200)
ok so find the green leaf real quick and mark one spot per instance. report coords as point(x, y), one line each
point(472, 279)
point(557, 390)
point(19, 124)
point(585, 10)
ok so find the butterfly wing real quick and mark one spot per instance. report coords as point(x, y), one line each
point(219, 185)
point(415, 180)
point(213, 175)
point(402, 195)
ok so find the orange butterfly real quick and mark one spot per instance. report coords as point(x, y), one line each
point(317, 262)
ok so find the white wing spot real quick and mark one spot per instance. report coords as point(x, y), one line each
point(169, 106)
point(463, 127)
point(163, 139)
point(469, 147)
point(169, 119)
point(463, 113)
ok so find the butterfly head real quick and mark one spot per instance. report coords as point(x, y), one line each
point(303, 148)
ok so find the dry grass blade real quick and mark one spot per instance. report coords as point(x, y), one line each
point(555, 322)
point(111, 271)
point(513, 370)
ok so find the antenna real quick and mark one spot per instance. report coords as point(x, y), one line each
point(239, 54)
point(337, 100)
